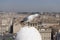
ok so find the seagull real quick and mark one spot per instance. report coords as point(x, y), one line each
point(30, 18)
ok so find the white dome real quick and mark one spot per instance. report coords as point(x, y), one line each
point(28, 33)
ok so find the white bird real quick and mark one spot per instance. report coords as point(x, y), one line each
point(30, 18)
point(28, 33)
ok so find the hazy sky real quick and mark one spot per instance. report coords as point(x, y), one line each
point(30, 5)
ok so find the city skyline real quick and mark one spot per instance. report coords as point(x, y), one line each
point(30, 5)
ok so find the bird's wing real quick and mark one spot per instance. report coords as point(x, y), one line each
point(25, 19)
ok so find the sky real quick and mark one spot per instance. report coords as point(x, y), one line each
point(30, 5)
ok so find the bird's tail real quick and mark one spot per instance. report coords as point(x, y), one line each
point(21, 21)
